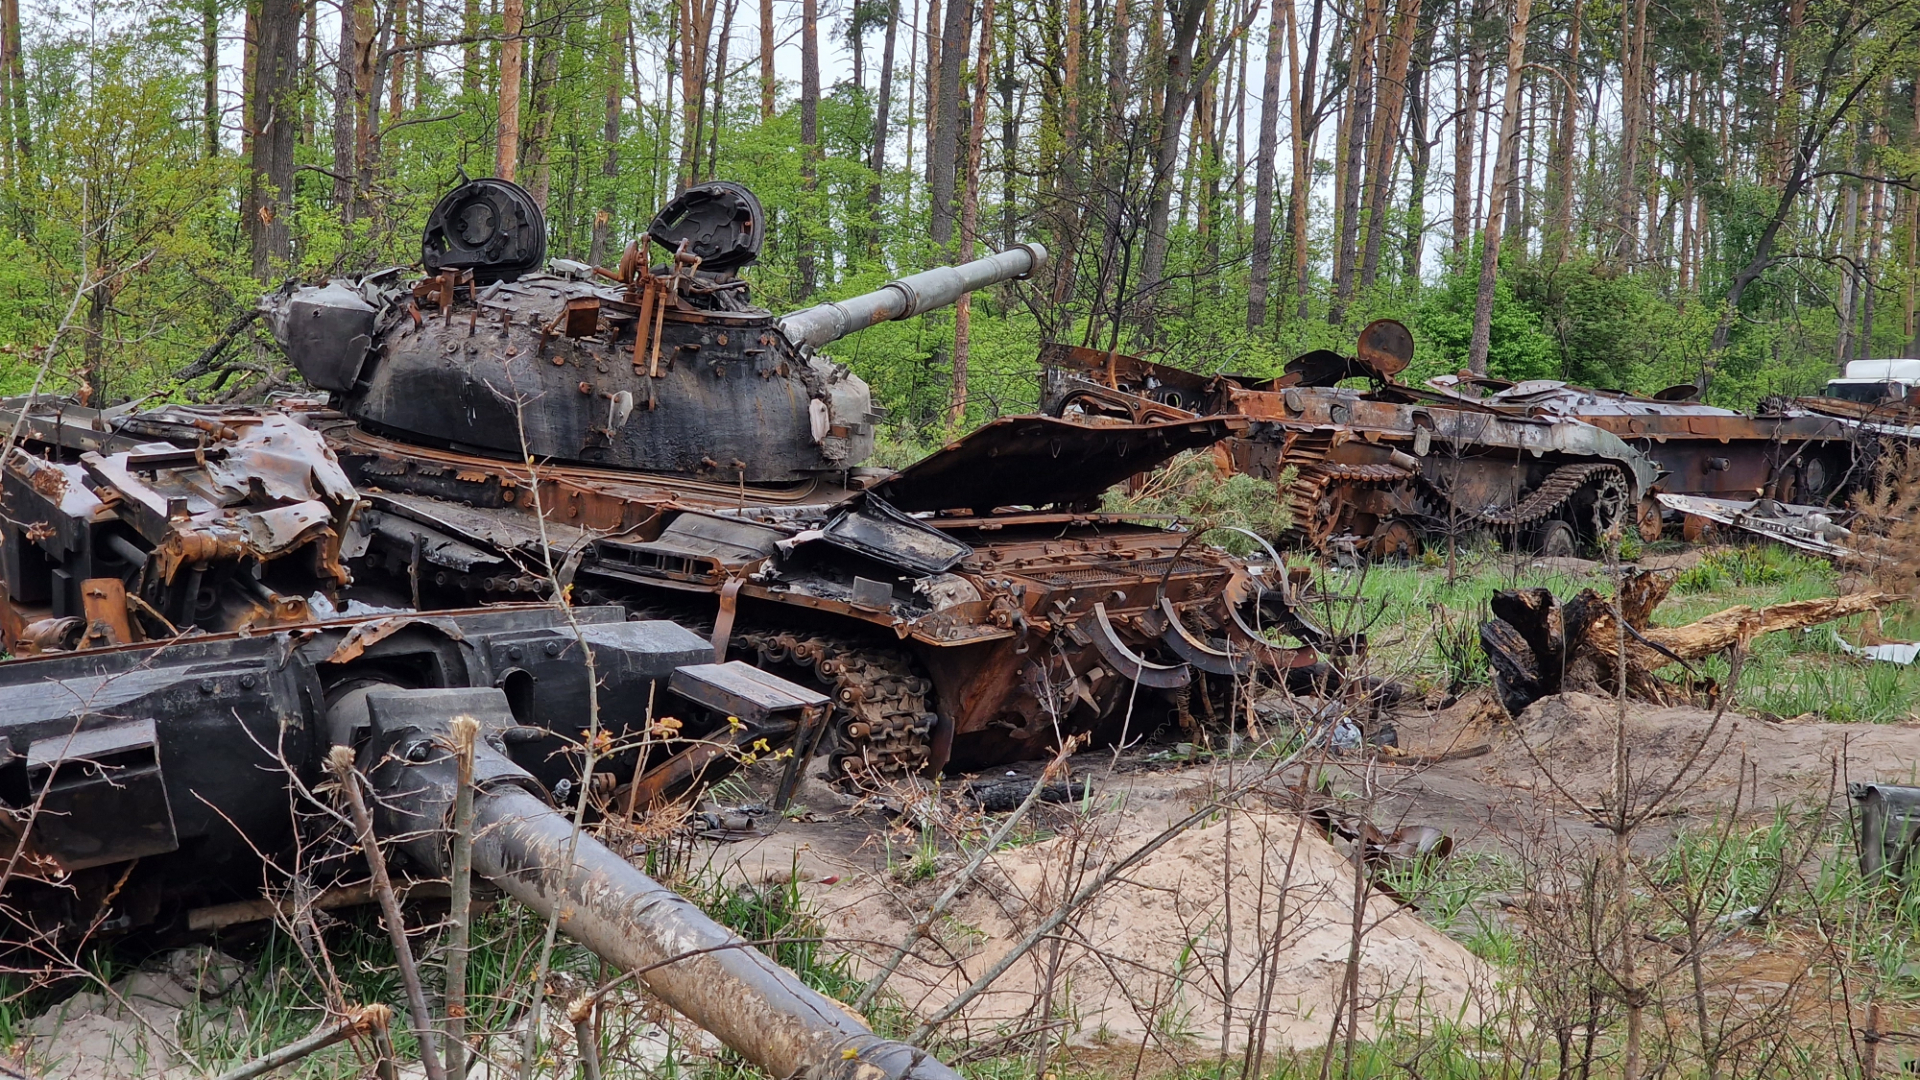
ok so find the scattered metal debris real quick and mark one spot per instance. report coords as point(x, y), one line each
point(1809, 528)
point(1889, 829)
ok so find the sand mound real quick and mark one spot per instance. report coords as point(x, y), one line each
point(1233, 928)
point(1572, 735)
point(131, 1029)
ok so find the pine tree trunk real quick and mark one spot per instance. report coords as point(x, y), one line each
point(470, 53)
point(209, 71)
point(1393, 95)
point(809, 128)
point(883, 102)
point(397, 68)
point(719, 81)
point(1633, 93)
point(934, 28)
point(970, 215)
point(944, 148)
point(1069, 190)
point(1419, 96)
point(767, 82)
point(276, 106)
point(507, 155)
point(1560, 169)
point(1502, 176)
point(1466, 113)
point(1263, 168)
point(1302, 124)
point(1353, 158)
point(598, 248)
point(545, 103)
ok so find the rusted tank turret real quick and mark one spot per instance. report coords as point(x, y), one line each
point(697, 457)
point(667, 369)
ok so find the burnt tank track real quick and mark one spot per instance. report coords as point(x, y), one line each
point(881, 719)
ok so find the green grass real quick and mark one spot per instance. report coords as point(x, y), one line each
point(1424, 629)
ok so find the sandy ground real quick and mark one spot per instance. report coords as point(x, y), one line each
point(1237, 930)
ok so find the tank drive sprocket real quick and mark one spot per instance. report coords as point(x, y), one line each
point(881, 722)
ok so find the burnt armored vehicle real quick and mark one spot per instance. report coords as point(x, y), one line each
point(1383, 468)
point(1786, 451)
point(649, 436)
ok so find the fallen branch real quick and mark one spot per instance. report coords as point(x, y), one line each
point(362, 1021)
point(209, 356)
point(1724, 629)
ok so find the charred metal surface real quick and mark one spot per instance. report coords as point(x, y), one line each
point(161, 770)
point(1785, 452)
point(1809, 528)
point(1377, 469)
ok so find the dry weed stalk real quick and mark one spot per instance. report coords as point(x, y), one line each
point(1886, 527)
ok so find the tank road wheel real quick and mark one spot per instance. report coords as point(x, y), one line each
point(1395, 540)
point(1555, 539)
point(1647, 520)
point(881, 725)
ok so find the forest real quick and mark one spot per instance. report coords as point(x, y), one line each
point(1613, 192)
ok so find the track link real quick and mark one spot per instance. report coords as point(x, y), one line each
point(880, 721)
point(1553, 492)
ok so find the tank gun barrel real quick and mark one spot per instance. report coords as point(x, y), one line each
point(909, 296)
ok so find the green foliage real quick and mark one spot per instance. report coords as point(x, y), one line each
point(1740, 567)
point(1518, 345)
point(1191, 489)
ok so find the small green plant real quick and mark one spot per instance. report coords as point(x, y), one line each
point(1191, 488)
point(1742, 567)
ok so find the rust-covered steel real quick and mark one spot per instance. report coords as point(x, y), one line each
point(1379, 469)
point(1785, 451)
point(646, 436)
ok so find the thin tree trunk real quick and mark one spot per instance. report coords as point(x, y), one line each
point(934, 29)
point(507, 155)
point(881, 107)
point(970, 214)
point(397, 65)
point(1263, 167)
point(1069, 188)
point(1419, 95)
point(1465, 116)
point(767, 82)
point(696, 37)
point(1561, 168)
point(719, 81)
point(1301, 126)
point(616, 19)
point(1009, 135)
point(470, 52)
point(809, 128)
point(1393, 95)
point(1353, 157)
point(1849, 271)
point(1502, 175)
point(1633, 71)
point(1875, 218)
point(276, 84)
point(545, 101)
point(209, 70)
point(943, 150)
point(366, 71)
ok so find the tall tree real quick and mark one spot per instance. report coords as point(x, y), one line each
point(970, 216)
point(944, 146)
point(615, 24)
point(1386, 139)
point(1264, 160)
point(809, 127)
point(276, 111)
point(1496, 200)
point(883, 101)
point(1353, 151)
point(766, 60)
point(513, 20)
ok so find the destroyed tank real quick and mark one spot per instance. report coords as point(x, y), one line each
point(1378, 472)
point(647, 436)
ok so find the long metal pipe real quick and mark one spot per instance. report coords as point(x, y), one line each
point(758, 1008)
point(909, 296)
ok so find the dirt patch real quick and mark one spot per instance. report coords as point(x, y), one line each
point(132, 1028)
point(1235, 928)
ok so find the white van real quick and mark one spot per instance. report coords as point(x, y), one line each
point(1874, 382)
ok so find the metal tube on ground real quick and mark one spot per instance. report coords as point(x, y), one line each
point(706, 972)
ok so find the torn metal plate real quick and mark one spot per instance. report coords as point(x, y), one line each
point(878, 531)
point(1809, 528)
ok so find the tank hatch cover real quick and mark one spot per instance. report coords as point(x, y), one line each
point(491, 227)
point(721, 222)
